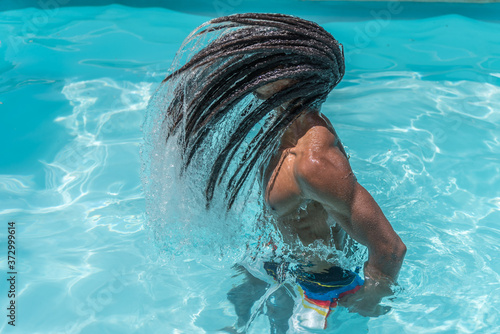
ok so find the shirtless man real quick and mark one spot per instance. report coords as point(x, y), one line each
point(291, 65)
point(311, 166)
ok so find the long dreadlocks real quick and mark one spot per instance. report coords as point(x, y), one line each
point(211, 106)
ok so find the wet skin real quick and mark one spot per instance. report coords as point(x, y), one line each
point(311, 169)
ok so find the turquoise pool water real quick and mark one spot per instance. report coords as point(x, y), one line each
point(419, 112)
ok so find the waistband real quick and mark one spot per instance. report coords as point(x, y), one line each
point(326, 285)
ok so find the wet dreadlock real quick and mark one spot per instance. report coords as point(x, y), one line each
point(247, 52)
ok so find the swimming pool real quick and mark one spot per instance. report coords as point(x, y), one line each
point(418, 110)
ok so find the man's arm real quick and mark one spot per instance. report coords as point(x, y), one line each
point(324, 175)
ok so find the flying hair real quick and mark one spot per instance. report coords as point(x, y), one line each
point(210, 111)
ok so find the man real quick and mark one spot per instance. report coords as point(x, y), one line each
point(307, 183)
point(290, 65)
point(311, 165)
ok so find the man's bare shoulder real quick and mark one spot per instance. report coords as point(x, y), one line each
point(317, 139)
point(321, 163)
point(305, 166)
point(317, 135)
point(320, 148)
